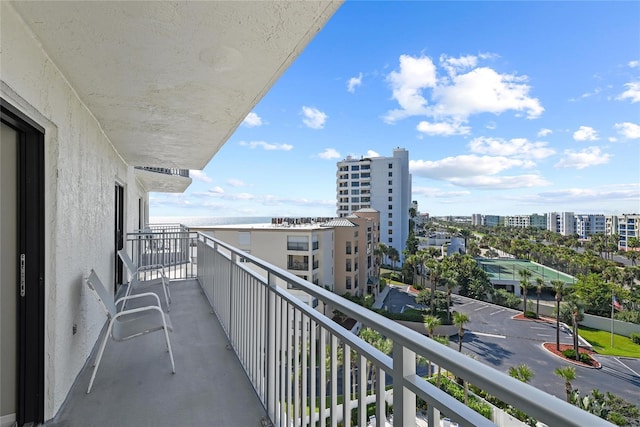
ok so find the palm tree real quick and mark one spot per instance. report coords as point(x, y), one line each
point(524, 284)
point(568, 374)
point(539, 286)
point(448, 279)
point(576, 308)
point(559, 289)
point(443, 341)
point(521, 372)
point(394, 256)
point(435, 275)
point(430, 324)
point(460, 319)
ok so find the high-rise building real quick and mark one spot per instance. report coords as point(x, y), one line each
point(380, 183)
point(561, 222)
point(628, 227)
point(587, 225)
point(524, 221)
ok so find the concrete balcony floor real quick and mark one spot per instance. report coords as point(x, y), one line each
point(134, 385)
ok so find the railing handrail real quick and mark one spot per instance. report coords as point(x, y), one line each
point(536, 403)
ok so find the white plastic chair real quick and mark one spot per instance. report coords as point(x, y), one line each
point(124, 326)
point(137, 272)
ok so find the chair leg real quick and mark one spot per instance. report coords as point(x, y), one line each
point(166, 336)
point(99, 357)
point(165, 288)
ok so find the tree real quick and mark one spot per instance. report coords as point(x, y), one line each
point(568, 374)
point(435, 274)
point(460, 320)
point(394, 256)
point(595, 293)
point(576, 310)
point(559, 288)
point(521, 372)
point(539, 286)
point(430, 324)
point(524, 284)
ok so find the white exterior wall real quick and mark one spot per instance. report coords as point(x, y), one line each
point(81, 169)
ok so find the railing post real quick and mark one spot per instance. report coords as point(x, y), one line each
point(232, 262)
point(404, 401)
point(271, 348)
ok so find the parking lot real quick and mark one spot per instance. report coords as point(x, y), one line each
point(495, 338)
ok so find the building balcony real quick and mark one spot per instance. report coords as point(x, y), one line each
point(248, 352)
point(166, 180)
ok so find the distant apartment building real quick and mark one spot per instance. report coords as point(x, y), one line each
point(561, 222)
point(525, 221)
point(628, 227)
point(335, 253)
point(611, 225)
point(586, 225)
point(485, 220)
point(380, 183)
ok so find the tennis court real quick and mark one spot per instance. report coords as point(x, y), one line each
point(507, 269)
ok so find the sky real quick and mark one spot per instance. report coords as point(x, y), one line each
point(505, 107)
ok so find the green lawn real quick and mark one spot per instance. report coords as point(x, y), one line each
point(601, 342)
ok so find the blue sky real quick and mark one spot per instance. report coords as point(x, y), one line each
point(505, 108)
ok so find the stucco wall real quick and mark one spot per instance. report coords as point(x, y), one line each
point(81, 169)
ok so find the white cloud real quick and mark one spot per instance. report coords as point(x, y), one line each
point(585, 133)
point(628, 130)
point(632, 92)
point(465, 166)
point(371, 153)
point(634, 64)
point(199, 176)
point(217, 190)
point(501, 182)
point(313, 118)
point(329, 153)
point(611, 192)
point(590, 156)
point(266, 146)
point(252, 120)
point(443, 128)
point(454, 66)
point(516, 147)
point(353, 83)
point(236, 182)
point(438, 193)
point(483, 90)
point(407, 84)
point(544, 132)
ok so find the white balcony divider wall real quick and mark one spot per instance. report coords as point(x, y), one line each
point(290, 353)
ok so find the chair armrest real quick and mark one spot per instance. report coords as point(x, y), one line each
point(140, 310)
point(151, 267)
point(133, 296)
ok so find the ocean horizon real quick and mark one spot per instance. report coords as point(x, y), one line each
point(202, 221)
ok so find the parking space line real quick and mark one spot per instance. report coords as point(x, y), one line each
point(620, 361)
point(487, 335)
point(496, 312)
point(480, 308)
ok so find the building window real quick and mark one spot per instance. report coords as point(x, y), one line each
point(390, 190)
point(355, 200)
point(348, 248)
point(355, 207)
point(390, 174)
point(298, 243)
point(355, 167)
point(390, 165)
point(390, 223)
point(391, 198)
point(355, 184)
point(390, 231)
point(348, 283)
point(390, 215)
point(348, 265)
point(390, 240)
point(390, 182)
point(353, 192)
point(355, 176)
point(390, 207)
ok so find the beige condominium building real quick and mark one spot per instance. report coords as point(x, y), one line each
point(335, 253)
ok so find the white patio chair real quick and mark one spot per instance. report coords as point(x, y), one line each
point(138, 272)
point(131, 323)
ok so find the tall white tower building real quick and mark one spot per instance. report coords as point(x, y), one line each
point(380, 183)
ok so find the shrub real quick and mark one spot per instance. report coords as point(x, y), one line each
point(635, 338)
point(530, 314)
point(571, 354)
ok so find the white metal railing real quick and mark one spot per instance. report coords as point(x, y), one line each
point(291, 354)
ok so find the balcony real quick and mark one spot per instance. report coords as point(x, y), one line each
point(240, 365)
point(170, 180)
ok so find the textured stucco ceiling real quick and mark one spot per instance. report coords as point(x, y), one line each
point(169, 82)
